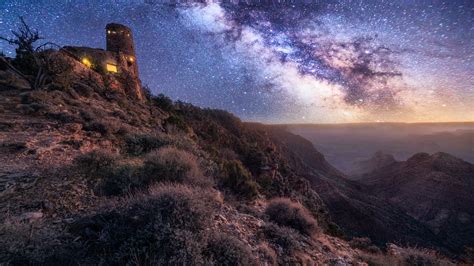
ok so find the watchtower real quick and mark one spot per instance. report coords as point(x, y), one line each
point(120, 43)
point(118, 62)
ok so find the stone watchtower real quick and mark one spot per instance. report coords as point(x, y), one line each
point(120, 42)
point(118, 62)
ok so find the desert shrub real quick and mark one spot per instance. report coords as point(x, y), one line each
point(63, 117)
point(284, 237)
point(405, 256)
point(254, 159)
point(97, 126)
point(223, 249)
point(163, 102)
point(96, 163)
point(103, 126)
point(177, 122)
point(168, 226)
point(120, 180)
point(267, 256)
point(170, 164)
point(143, 143)
point(421, 257)
point(285, 212)
point(87, 116)
point(238, 179)
point(364, 243)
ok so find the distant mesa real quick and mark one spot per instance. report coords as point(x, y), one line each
point(377, 161)
point(118, 60)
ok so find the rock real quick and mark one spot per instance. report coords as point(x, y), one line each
point(31, 216)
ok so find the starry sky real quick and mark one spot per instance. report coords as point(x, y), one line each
point(299, 61)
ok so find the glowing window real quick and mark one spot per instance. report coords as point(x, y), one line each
point(131, 59)
point(111, 68)
point(108, 31)
point(86, 62)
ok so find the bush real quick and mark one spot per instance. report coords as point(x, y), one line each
point(284, 237)
point(173, 165)
point(176, 121)
point(120, 180)
point(144, 143)
point(96, 163)
point(63, 117)
point(238, 179)
point(163, 102)
point(166, 227)
point(224, 249)
point(285, 212)
point(267, 256)
point(405, 256)
point(103, 126)
point(364, 243)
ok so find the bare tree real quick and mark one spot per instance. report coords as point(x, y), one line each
point(25, 38)
point(32, 63)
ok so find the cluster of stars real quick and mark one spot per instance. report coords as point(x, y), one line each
point(283, 62)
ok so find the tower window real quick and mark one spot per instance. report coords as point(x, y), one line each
point(112, 68)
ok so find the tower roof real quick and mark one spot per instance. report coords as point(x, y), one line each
point(116, 27)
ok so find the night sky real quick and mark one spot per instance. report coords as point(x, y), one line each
point(293, 62)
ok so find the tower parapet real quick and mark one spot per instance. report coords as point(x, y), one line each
point(120, 42)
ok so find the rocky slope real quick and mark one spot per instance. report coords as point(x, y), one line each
point(435, 189)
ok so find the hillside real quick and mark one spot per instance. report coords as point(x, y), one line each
point(440, 184)
point(90, 175)
point(358, 212)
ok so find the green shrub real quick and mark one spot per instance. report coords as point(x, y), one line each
point(176, 121)
point(223, 249)
point(103, 126)
point(63, 117)
point(237, 178)
point(143, 143)
point(120, 180)
point(163, 102)
point(96, 163)
point(285, 212)
point(97, 126)
point(364, 243)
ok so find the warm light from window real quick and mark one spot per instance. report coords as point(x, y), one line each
point(86, 62)
point(111, 68)
point(108, 31)
point(131, 59)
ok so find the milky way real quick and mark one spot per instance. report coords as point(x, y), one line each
point(278, 62)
